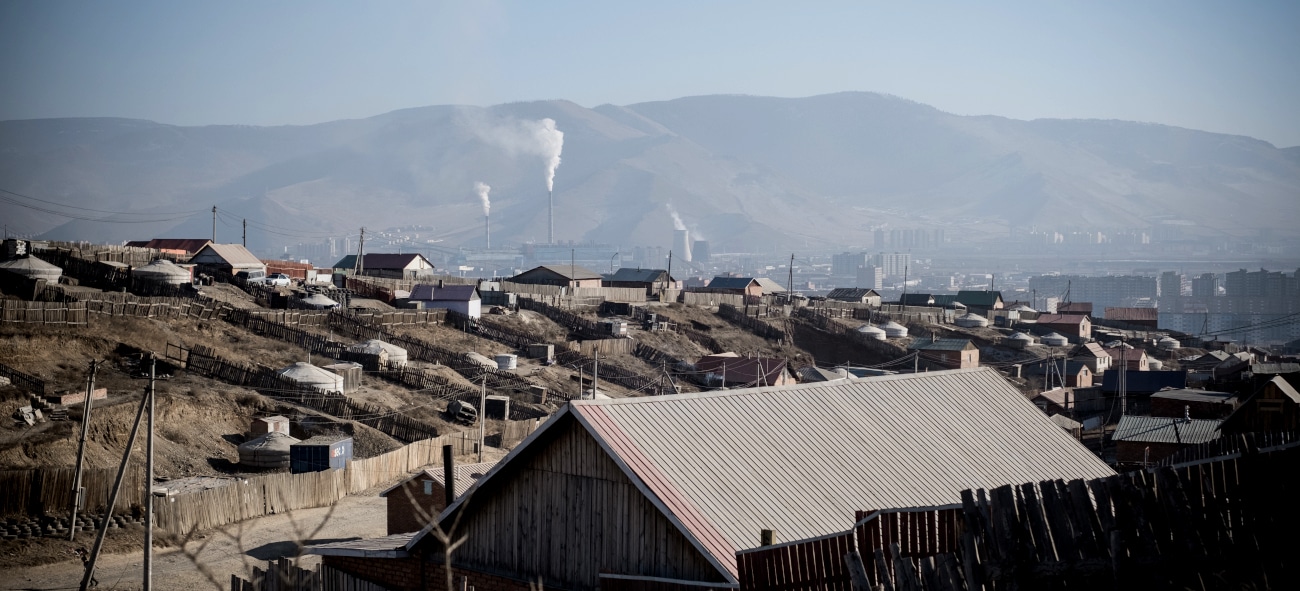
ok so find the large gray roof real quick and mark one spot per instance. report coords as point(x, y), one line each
point(1140, 429)
point(802, 459)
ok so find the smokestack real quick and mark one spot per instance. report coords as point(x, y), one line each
point(487, 233)
point(682, 243)
point(482, 189)
point(550, 218)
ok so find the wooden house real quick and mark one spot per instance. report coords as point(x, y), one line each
point(1135, 359)
point(1094, 356)
point(1142, 440)
point(1147, 317)
point(184, 247)
point(381, 264)
point(948, 353)
point(856, 295)
point(415, 502)
point(1273, 406)
point(661, 492)
point(457, 298)
point(1075, 308)
point(228, 258)
point(1071, 325)
point(732, 370)
point(916, 299)
point(983, 300)
point(1076, 374)
point(569, 276)
point(652, 281)
point(737, 285)
point(1198, 404)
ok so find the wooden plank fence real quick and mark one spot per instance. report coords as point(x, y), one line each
point(44, 490)
point(24, 381)
point(755, 325)
point(282, 492)
point(284, 575)
point(1226, 523)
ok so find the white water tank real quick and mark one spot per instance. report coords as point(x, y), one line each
point(507, 361)
point(894, 330)
point(971, 320)
point(872, 332)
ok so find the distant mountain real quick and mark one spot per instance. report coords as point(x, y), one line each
point(748, 173)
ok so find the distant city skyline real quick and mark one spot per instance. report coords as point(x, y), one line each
point(1216, 66)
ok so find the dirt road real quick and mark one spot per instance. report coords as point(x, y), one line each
point(234, 549)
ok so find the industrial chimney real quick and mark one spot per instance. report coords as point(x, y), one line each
point(682, 244)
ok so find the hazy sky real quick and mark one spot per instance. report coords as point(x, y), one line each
point(1228, 66)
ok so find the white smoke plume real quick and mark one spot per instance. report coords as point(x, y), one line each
point(677, 219)
point(482, 188)
point(539, 138)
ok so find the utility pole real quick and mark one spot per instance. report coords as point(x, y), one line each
point(670, 269)
point(148, 481)
point(482, 416)
point(214, 224)
point(357, 267)
point(595, 374)
point(245, 233)
point(112, 497)
point(77, 494)
point(916, 362)
point(1123, 380)
point(789, 283)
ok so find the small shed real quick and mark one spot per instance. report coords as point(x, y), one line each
point(306, 374)
point(463, 299)
point(1141, 440)
point(396, 355)
point(320, 453)
point(268, 451)
point(263, 425)
point(545, 351)
point(1071, 426)
point(497, 407)
point(417, 501)
point(351, 373)
point(856, 295)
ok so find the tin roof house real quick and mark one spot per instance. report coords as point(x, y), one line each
point(230, 258)
point(463, 299)
point(605, 492)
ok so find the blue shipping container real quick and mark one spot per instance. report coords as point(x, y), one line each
point(323, 452)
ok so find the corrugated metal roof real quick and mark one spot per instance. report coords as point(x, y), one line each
point(940, 345)
point(381, 260)
point(466, 476)
point(1075, 307)
point(853, 294)
point(1147, 314)
point(185, 244)
point(770, 286)
point(802, 459)
point(984, 299)
point(1072, 319)
point(446, 293)
point(730, 282)
point(233, 254)
point(916, 299)
point(1274, 368)
point(1065, 422)
point(634, 275)
point(393, 546)
point(1190, 395)
point(1139, 429)
point(569, 272)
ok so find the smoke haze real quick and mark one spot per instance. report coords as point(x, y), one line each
point(677, 219)
point(538, 138)
point(482, 189)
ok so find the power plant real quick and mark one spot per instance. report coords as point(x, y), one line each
point(682, 244)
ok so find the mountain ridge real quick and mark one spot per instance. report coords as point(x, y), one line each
point(750, 172)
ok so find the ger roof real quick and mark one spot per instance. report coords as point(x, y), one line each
point(1140, 429)
point(882, 442)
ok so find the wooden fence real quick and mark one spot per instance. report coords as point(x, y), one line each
point(42, 312)
point(283, 575)
point(24, 381)
point(1232, 447)
point(1225, 523)
point(603, 346)
point(755, 325)
point(36, 492)
point(827, 324)
point(281, 492)
point(204, 361)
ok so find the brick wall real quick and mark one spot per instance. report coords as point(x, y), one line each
point(409, 509)
point(403, 574)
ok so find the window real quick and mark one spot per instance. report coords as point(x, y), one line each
point(428, 487)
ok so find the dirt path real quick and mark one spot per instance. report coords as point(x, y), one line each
point(234, 549)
